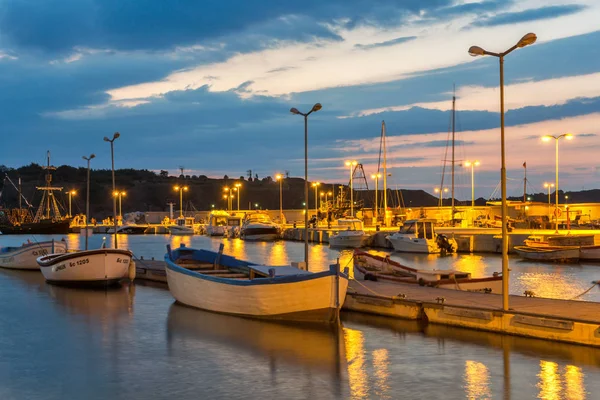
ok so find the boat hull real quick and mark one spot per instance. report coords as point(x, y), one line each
point(347, 241)
point(215, 230)
point(259, 232)
point(88, 267)
point(413, 245)
point(307, 299)
point(37, 228)
point(549, 254)
point(180, 231)
point(25, 257)
point(589, 253)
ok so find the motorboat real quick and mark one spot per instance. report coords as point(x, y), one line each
point(418, 236)
point(234, 226)
point(350, 234)
point(259, 226)
point(101, 267)
point(374, 267)
point(129, 229)
point(183, 226)
point(549, 253)
point(25, 256)
point(220, 283)
point(217, 223)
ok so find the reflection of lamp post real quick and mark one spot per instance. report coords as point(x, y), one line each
point(316, 186)
point(351, 164)
point(87, 199)
point(547, 138)
point(279, 178)
point(181, 190)
point(526, 40)
point(294, 110)
point(238, 186)
point(119, 195)
point(71, 193)
point(472, 165)
point(376, 177)
point(112, 158)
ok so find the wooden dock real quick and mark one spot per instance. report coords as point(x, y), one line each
point(551, 319)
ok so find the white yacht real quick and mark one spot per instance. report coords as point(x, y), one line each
point(259, 226)
point(418, 236)
point(351, 234)
point(217, 223)
point(183, 226)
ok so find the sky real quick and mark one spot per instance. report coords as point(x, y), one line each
point(208, 86)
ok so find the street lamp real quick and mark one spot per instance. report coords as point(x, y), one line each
point(526, 40)
point(71, 193)
point(229, 197)
point(119, 195)
point(376, 177)
point(112, 159)
point(472, 164)
point(181, 189)
point(294, 110)
point(279, 178)
point(87, 198)
point(549, 186)
point(547, 138)
point(316, 186)
point(441, 192)
point(238, 187)
point(351, 164)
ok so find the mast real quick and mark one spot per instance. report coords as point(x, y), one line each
point(384, 174)
point(525, 183)
point(453, 132)
point(48, 203)
point(20, 203)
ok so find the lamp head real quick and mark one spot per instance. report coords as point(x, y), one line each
point(475, 51)
point(278, 177)
point(569, 136)
point(467, 163)
point(547, 138)
point(106, 139)
point(526, 40)
point(477, 163)
point(176, 188)
point(92, 156)
point(294, 110)
point(116, 135)
point(316, 107)
point(185, 188)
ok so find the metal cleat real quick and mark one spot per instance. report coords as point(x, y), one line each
point(440, 300)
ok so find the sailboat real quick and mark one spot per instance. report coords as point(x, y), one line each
point(47, 219)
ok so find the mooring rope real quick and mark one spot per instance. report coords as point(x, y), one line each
point(579, 295)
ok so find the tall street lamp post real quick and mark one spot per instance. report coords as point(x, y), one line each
point(112, 159)
point(549, 186)
point(87, 198)
point(181, 189)
point(526, 40)
point(316, 186)
point(472, 164)
point(120, 196)
point(238, 187)
point(294, 110)
point(376, 208)
point(71, 193)
point(441, 192)
point(547, 138)
point(279, 178)
point(351, 164)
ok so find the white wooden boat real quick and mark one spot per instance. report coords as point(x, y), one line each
point(102, 267)
point(589, 253)
point(211, 281)
point(374, 267)
point(217, 223)
point(25, 256)
point(183, 226)
point(351, 234)
point(549, 253)
point(258, 226)
point(559, 240)
point(418, 236)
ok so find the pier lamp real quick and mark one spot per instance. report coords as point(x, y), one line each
point(71, 193)
point(351, 164)
point(279, 178)
point(548, 138)
point(472, 164)
point(316, 186)
point(376, 208)
point(120, 196)
point(87, 199)
point(326, 195)
point(549, 186)
point(181, 189)
point(441, 192)
point(474, 51)
point(294, 110)
point(256, 206)
point(238, 187)
point(116, 135)
point(228, 190)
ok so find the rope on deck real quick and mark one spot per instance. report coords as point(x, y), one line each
point(579, 295)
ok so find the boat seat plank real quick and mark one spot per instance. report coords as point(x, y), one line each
point(215, 271)
point(231, 275)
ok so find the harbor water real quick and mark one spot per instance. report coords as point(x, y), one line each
point(135, 342)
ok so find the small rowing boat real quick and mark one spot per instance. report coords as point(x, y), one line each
point(24, 257)
point(549, 253)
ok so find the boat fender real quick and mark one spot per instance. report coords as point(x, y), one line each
point(131, 270)
point(271, 272)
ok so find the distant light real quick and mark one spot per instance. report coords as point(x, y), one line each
point(569, 136)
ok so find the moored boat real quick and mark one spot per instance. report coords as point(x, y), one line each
point(101, 267)
point(259, 226)
point(549, 253)
point(25, 256)
point(183, 226)
point(217, 223)
point(129, 229)
point(215, 282)
point(374, 267)
point(418, 236)
point(350, 234)
point(589, 253)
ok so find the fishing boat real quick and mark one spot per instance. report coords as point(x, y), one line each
point(549, 253)
point(418, 236)
point(217, 223)
point(559, 240)
point(589, 253)
point(259, 226)
point(129, 229)
point(100, 267)
point(215, 282)
point(183, 226)
point(374, 267)
point(350, 234)
point(25, 256)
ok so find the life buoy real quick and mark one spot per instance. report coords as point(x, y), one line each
point(557, 212)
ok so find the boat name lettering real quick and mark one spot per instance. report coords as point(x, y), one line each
point(59, 267)
point(41, 252)
point(123, 260)
point(79, 262)
point(7, 260)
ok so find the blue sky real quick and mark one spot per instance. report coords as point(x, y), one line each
point(208, 85)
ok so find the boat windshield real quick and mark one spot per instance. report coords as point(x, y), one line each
point(409, 228)
point(233, 222)
point(220, 221)
point(350, 225)
point(258, 218)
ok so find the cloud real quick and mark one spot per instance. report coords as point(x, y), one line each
point(533, 14)
point(385, 44)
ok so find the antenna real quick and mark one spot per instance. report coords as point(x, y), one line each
point(181, 168)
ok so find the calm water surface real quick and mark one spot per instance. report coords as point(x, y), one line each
point(134, 342)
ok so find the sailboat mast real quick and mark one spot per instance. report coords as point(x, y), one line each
point(20, 203)
point(384, 174)
point(48, 180)
point(453, 132)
